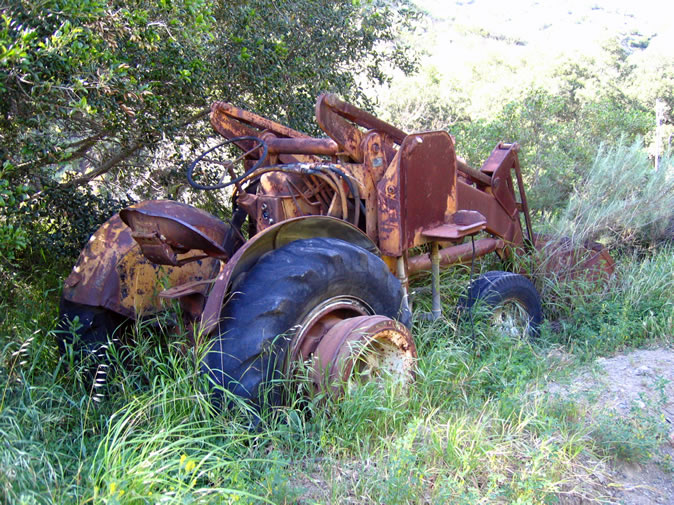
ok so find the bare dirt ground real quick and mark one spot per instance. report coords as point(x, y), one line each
point(628, 404)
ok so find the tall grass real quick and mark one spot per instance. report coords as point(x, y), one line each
point(634, 308)
point(622, 198)
point(466, 431)
point(474, 427)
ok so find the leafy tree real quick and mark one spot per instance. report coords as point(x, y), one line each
point(95, 86)
point(97, 81)
point(559, 136)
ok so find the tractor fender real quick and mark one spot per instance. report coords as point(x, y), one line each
point(113, 273)
point(166, 228)
point(271, 238)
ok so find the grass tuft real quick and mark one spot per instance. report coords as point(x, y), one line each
point(621, 200)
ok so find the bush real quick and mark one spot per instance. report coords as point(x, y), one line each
point(54, 227)
point(621, 200)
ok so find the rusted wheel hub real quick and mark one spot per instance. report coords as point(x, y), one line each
point(511, 318)
point(361, 349)
point(320, 320)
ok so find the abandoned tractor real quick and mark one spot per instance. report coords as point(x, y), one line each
point(315, 260)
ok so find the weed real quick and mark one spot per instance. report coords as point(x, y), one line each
point(622, 198)
point(635, 437)
point(138, 426)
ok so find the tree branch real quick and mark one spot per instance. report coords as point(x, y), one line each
point(123, 154)
point(110, 163)
point(82, 146)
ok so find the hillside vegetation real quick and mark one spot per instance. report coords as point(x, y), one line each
point(102, 102)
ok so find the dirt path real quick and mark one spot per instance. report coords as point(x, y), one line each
point(628, 403)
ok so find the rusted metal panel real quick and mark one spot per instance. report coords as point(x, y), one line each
point(141, 281)
point(283, 196)
point(270, 211)
point(428, 176)
point(347, 136)
point(339, 119)
point(390, 215)
point(374, 165)
point(462, 223)
point(417, 191)
point(495, 160)
point(362, 118)
point(165, 228)
point(498, 222)
point(223, 113)
point(93, 280)
point(375, 157)
point(567, 260)
point(112, 272)
point(500, 163)
point(524, 204)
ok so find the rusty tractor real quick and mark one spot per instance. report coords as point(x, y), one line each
point(314, 262)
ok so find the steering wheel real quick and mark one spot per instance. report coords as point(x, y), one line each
point(228, 164)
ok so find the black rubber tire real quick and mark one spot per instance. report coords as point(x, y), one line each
point(276, 295)
point(96, 325)
point(496, 288)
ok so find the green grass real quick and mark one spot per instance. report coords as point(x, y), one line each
point(137, 427)
point(473, 427)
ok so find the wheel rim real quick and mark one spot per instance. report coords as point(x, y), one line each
point(315, 325)
point(361, 349)
point(378, 357)
point(511, 319)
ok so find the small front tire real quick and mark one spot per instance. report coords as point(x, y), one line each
point(512, 299)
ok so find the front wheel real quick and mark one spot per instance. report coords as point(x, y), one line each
point(281, 309)
point(85, 327)
point(512, 300)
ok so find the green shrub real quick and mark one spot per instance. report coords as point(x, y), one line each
point(54, 225)
point(621, 200)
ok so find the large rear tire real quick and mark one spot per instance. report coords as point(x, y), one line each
point(294, 290)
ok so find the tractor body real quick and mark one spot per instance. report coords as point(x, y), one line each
point(404, 198)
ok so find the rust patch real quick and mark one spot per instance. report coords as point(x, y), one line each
point(390, 216)
point(111, 272)
point(367, 346)
point(165, 228)
point(589, 261)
